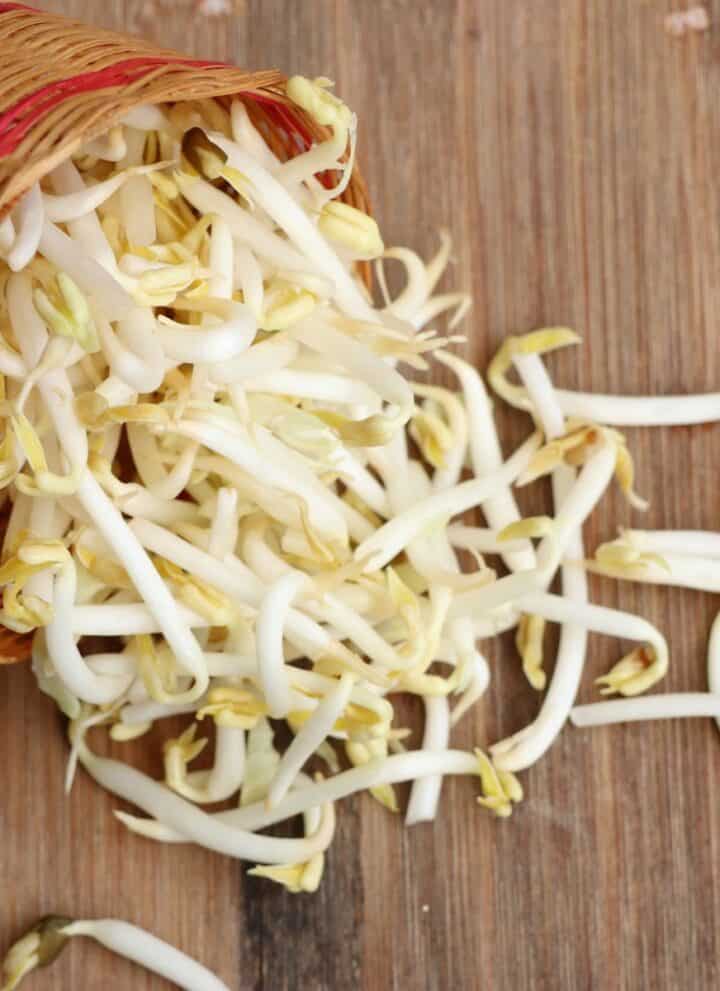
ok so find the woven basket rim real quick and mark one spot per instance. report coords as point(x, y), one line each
point(85, 101)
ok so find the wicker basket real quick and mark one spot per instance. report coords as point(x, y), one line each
point(63, 82)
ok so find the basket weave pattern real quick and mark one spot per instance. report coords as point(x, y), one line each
point(63, 82)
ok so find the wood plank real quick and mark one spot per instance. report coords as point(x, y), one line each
point(573, 149)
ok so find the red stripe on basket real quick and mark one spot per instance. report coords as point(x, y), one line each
point(18, 120)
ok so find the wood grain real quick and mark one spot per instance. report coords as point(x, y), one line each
point(573, 149)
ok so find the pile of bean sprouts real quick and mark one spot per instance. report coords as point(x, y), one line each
point(226, 501)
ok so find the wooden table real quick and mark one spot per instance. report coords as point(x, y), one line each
point(573, 148)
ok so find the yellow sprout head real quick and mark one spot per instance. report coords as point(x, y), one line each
point(230, 706)
point(66, 312)
point(38, 948)
point(501, 789)
point(636, 672)
point(352, 228)
point(314, 96)
point(537, 342)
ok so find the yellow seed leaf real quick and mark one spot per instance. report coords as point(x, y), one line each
point(526, 529)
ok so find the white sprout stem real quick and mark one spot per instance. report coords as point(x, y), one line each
point(379, 549)
point(231, 576)
point(322, 387)
point(460, 301)
point(54, 385)
point(11, 364)
point(329, 609)
point(166, 512)
point(358, 359)
point(350, 625)
point(64, 654)
point(267, 358)
point(319, 158)
point(146, 457)
point(224, 527)
point(248, 277)
point(208, 344)
point(71, 206)
point(86, 230)
point(248, 136)
point(599, 619)
point(449, 471)
point(713, 662)
point(244, 226)
point(222, 262)
point(482, 539)
point(500, 508)
point(152, 588)
point(178, 478)
point(580, 500)
point(133, 351)
point(463, 637)
point(243, 452)
point(228, 772)
point(525, 748)
point(96, 718)
point(291, 218)
point(136, 199)
point(240, 583)
point(360, 481)
point(703, 543)
point(269, 632)
point(682, 571)
point(148, 951)
point(674, 705)
point(415, 292)
point(42, 521)
point(129, 620)
point(107, 294)
point(207, 831)
point(309, 737)
point(137, 713)
point(383, 771)
point(425, 791)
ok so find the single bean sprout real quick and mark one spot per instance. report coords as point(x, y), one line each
point(42, 945)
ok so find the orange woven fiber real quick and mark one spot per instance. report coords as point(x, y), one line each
point(63, 82)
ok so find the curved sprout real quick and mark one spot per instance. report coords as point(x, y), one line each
point(271, 619)
point(209, 345)
point(158, 801)
point(425, 792)
point(29, 217)
point(41, 946)
point(679, 705)
point(309, 738)
point(500, 508)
